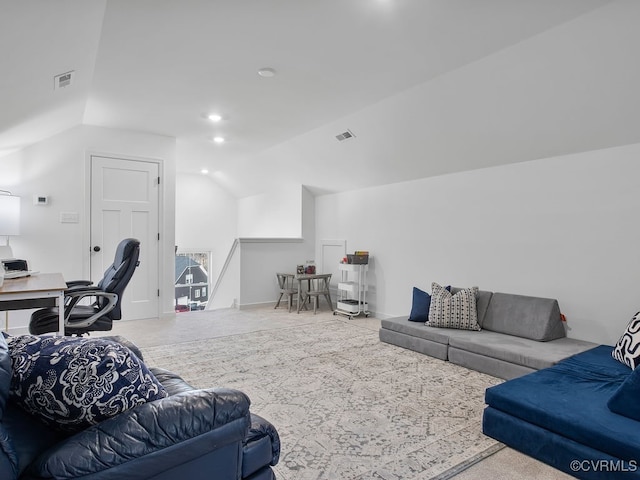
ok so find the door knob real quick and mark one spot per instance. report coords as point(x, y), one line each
point(96, 248)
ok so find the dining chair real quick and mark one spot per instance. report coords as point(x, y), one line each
point(318, 287)
point(289, 287)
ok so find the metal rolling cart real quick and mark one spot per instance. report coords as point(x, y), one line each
point(352, 287)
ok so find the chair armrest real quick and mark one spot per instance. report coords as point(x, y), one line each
point(145, 430)
point(74, 283)
point(75, 289)
point(260, 447)
point(262, 428)
point(74, 295)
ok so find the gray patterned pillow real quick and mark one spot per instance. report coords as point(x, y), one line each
point(453, 311)
point(627, 350)
point(71, 383)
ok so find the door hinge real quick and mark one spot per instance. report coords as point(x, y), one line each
point(158, 292)
point(158, 235)
point(158, 180)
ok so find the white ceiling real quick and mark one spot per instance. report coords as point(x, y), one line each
point(428, 86)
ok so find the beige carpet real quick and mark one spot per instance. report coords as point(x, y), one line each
point(346, 405)
point(155, 336)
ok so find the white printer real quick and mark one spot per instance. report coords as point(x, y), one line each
point(13, 267)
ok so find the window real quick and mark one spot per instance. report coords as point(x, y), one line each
point(191, 280)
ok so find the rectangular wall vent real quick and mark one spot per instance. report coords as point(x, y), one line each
point(63, 80)
point(345, 135)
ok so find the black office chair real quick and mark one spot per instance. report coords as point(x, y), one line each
point(106, 297)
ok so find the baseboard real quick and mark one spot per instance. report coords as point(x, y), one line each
point(272, 304)
point(250, 306)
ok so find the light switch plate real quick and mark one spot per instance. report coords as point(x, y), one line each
point(69, 217)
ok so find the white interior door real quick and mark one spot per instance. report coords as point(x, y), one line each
point(331, 252)
point(125, 197)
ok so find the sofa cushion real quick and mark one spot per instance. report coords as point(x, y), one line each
point(71, 383)
point(489, 365)
point(456, 311)
point(410, 342)
point(419, 330)
point(624, 401)
point(8, 457)
point(482, 302)
point(29, 436)
point(570, 400)
point(172, 382)
point(527, 317)
point(420, 303)
point(517, 350)
point(627, 350)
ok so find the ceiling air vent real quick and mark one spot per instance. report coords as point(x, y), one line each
point(345, 136)
point(63, 80)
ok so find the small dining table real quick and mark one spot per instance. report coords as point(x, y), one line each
point(308, 277)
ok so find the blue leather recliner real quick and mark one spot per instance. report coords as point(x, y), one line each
point(191, 434)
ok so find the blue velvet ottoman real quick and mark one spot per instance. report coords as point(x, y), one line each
point(559, 415)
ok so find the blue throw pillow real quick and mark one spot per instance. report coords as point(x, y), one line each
point(420, 305)
point(71, 383)
point(625, 400)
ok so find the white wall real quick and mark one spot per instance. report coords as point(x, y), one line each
point(308, 208)
point(563, 227)
point(261, 259)
point(276, 232)
point(227, 293)
point(276, 213)
point(57, 167)
point(206, 218)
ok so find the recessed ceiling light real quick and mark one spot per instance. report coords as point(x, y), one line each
point(204, 171)
point(218, 139)
point(267, 72)
point(214, 117)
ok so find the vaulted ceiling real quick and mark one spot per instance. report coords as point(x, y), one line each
point(427, 86)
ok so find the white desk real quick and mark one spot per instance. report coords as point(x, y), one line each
point(23, 293)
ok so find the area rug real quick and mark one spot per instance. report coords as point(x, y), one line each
point(346, 405)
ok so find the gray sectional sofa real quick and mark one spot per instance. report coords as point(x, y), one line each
point(520, 334)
